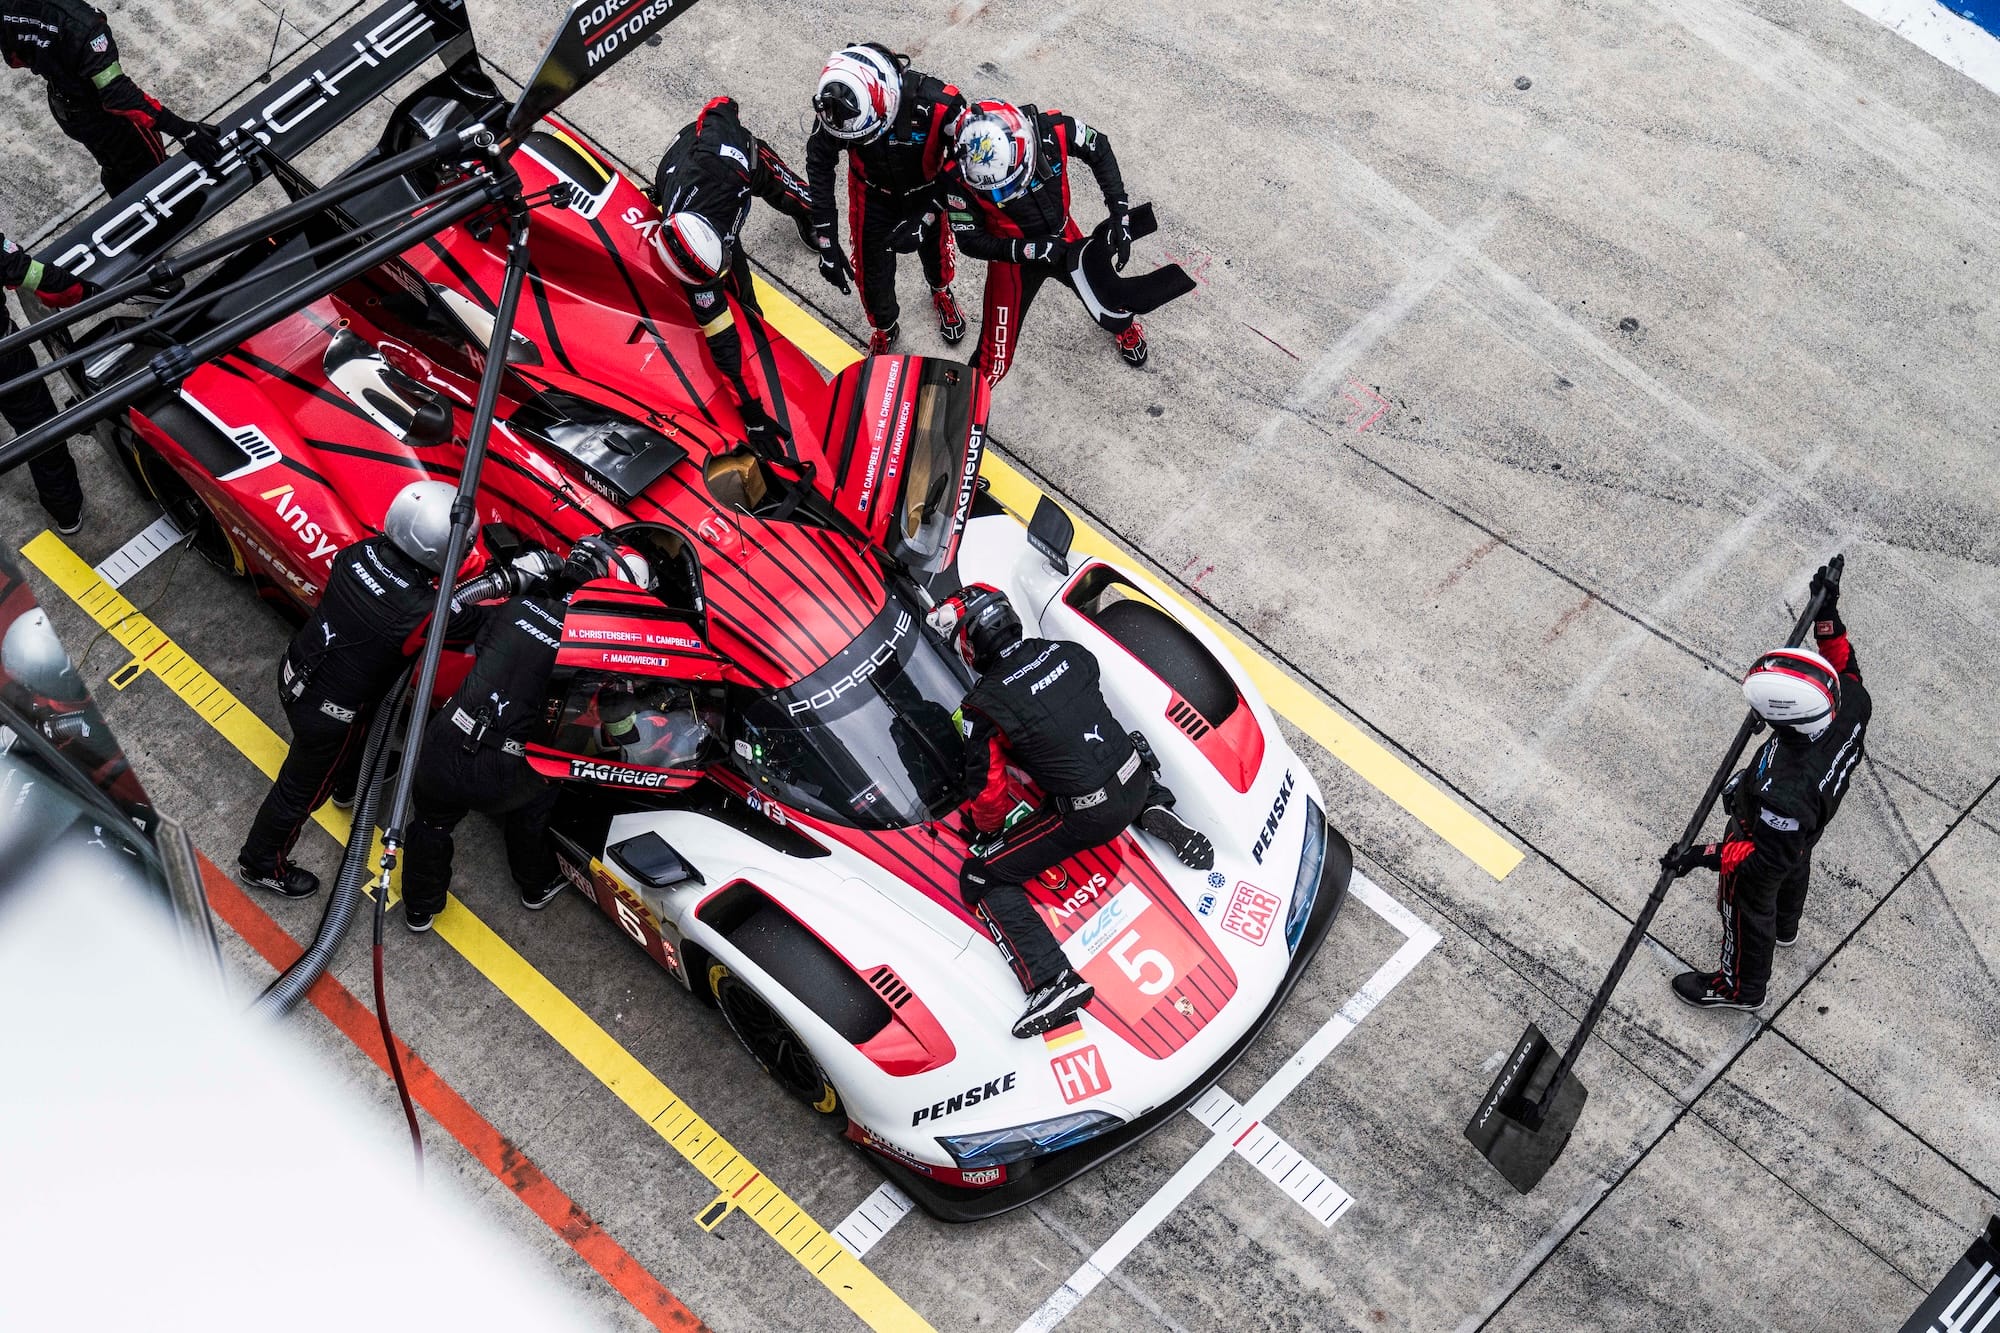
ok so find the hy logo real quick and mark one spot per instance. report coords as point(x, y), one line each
point(319, 546)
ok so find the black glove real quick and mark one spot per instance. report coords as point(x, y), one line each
point(203, 142)
point(1121, 232)
point(532, 569)
point(588, 559)
point(1827, 581)
point(908, 236)
point(833, 265)
point(1052, 252)
point(1706, 856)
point(760, 432)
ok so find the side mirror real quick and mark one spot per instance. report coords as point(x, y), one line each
point(1050, 532)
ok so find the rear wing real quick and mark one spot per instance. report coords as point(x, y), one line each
point(280, 119)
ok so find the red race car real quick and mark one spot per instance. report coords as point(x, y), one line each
point(778, 836)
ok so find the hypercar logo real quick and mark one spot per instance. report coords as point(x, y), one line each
point(972, 1096)
point(309, 532)
point(1273, 820)
point(1250, 913)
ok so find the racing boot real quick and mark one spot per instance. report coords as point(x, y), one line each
point(287, 880)
point(1193, 849)
point(418, 922)
point(1132, 344)
point(1704, 990)
point(881, 340)
point(1053, 1005)
point(536, 899)
point(951, 320)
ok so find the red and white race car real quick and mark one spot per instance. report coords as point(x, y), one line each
point(778, 839)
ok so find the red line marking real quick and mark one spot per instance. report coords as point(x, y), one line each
point(1382, 404)
point(1269, 339)
point(1245, 1134)
point(754, 1177)
point(493, 1150)
point(156, 648)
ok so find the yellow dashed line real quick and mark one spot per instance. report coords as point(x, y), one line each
point(1375, 763)
point(575, 1031)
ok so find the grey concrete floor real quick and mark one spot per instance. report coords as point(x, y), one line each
point(1707, 301)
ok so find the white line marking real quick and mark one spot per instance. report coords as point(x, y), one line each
point(1419, 939)
point(158, 538)
point(1960, 43)
point(1285, 1165)
point(872, 1220)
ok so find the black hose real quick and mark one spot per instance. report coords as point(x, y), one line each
point(283, 995)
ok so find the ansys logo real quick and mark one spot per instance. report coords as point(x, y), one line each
point(320, 546)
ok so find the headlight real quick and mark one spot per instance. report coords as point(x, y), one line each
point(994, 1147)
point(1306, 887)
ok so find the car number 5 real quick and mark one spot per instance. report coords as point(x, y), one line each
point(1134, 965)
point(628, 919)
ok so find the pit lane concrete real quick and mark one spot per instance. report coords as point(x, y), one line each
point(1404, 438)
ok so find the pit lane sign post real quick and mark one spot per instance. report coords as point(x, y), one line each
point(1526, 1118)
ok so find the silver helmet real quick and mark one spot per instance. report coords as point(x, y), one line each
point(419, 522)
point(33, 656)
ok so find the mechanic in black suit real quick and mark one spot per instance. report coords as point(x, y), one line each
point(704, 187)
point(1781, 804)
point(27, 407)
point(895, 125)
point(475, 755)
point(369, 622)
point(1038, 704)
point(93, 99)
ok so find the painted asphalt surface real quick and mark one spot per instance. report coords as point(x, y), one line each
point(1515, 540)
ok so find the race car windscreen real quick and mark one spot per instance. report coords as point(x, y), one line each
point(867, 740)
point(933, 469)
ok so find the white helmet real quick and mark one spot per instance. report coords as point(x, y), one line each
point(419, 522)
point(995, 149)
point(628, 565)
point(859, 92)
point(35, 657)
point(1796, 688)
point(690, 249)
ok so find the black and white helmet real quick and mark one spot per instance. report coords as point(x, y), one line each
point(859, 92)
point(1796, 688)
point(419, 522)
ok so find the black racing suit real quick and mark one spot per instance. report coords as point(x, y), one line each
point(93, 100)
point(891, 186)
point(370, 621)
point(474, 757)
point(1780, 806)
point(713, 168)
point(1005, 234)
point(1038, 704)
point(27, 407)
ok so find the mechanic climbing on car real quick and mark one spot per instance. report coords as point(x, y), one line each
point(895, 124)
point(94, 101)
point(1006, 194)
point(370, 620)
point(1037, 704)
point(704, 187)
point(1780, 805)
point(475, 756)
point(53, 469)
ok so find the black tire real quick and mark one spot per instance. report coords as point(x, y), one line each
point(189, 511)
point(772, 1043)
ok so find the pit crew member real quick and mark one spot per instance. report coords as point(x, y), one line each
point(895, 124)
point(94, 101)
point(704, 187)
point(27, 407)
point(370, 620)
point(1037, 705)
point(1781, 804)
point(474, 755)
point(1006, 195)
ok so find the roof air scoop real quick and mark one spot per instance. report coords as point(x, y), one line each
point(398, 404)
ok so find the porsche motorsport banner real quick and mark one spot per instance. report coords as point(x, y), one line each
point(1968, 1300)
point(282, 118)
point(595, 36)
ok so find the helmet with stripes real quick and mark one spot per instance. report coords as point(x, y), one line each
point(979, 621)
point(995, 148)
point(859, 92)
point(690, 249)
point(1796, 688)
